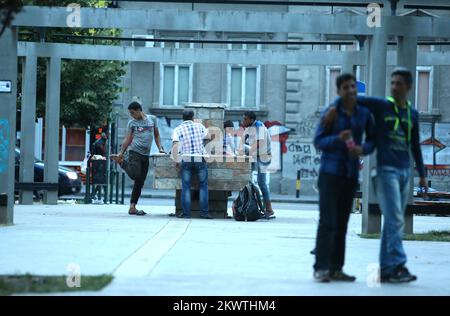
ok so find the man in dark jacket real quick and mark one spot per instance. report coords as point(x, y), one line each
point(341, 144)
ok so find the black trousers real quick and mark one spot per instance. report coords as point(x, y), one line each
point(136, 168)
point(335, 204)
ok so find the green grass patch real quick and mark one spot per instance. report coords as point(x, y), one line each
point(433, 235)
point(16, 284)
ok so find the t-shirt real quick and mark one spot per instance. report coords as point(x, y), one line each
point(142, 131)
point(258, 132)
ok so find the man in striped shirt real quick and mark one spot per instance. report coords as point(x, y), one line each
point(189, 149)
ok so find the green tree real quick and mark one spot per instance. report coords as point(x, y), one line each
point(88, 87)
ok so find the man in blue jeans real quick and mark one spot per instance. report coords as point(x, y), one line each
point(397, 134)
point(341, 144)
point(257, 141)
point(189, 149)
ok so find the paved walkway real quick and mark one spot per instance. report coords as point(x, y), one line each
point(160, 255)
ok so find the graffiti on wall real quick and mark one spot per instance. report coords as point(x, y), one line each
point(303, 157)
point(4, 144)
point(435, 144)
point(307, 126)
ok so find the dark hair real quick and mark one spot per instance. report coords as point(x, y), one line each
point(188, 115)
point(228, 124)
point(135, 106)
point(250, 114)
point(343, 78)
point(405, 73)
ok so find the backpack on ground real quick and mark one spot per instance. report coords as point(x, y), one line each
point(249, 205)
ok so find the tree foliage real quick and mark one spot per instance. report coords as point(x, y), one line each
point(88, 87)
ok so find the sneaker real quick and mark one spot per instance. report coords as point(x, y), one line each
point(341, 276)
point(182, 216)
point(400, 275)
point(206, 216)
point(322, 276)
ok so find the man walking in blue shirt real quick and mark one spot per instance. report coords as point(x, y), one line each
point(341, 144)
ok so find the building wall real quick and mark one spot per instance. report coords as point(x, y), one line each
point(293, 95)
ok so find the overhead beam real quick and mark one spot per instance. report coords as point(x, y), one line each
point(215, 55)
point(188, 55)
point(230, 21)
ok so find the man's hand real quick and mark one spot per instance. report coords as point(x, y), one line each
point(344, 135)
point(424, 184)
point(329, 118)
point(356, 151)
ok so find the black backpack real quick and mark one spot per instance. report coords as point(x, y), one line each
point(249, 205)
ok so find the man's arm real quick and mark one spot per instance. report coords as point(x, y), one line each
point(375, 105)
point(325, 141)
point(126, 142)
point(369, 144)
point(158, 140)
point(417, 152)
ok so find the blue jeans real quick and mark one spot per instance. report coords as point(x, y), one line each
point(392, 190)
point(201, 170)
point(257, 166)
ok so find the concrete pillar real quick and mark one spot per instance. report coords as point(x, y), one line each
point(51, 158)
point(28, 117)
point(348, 67)
point(376, 79)
point(409, 227)
point(407, 57)
point(8, 71)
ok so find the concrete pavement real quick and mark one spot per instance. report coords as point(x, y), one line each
point(161, 255)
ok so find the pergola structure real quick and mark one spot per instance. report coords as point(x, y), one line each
point(374, 55)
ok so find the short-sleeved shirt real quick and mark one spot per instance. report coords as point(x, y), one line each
point(190, 135)
point(142, 131)
point(257, 132)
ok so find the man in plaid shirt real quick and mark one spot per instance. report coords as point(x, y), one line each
point(190, 136)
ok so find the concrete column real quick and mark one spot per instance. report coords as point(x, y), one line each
point(28, 117)
point(51, 158)
point(348, 66)
point(376, 79)
point(8, 71)
point(407, 57)
point(409, 227)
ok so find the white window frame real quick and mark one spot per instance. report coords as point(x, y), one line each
point(63, 161)
point(429, 69)
point(161, 83)
point(258, 84)
point(358, 67)
point(244, 46)
point(258, 77)
point(146, 36)
point(327, 81)
point(177, 44)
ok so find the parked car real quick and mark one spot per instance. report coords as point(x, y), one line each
point(69, 182)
